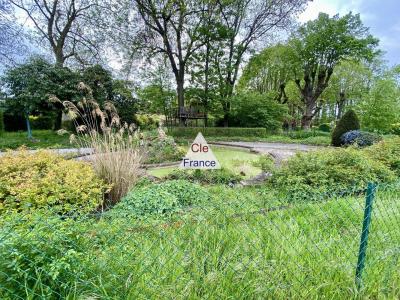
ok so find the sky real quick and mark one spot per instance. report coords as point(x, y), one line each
point(381, 16)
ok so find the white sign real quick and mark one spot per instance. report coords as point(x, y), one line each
point(200, 156)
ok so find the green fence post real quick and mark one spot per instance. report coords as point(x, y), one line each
point(364, 234)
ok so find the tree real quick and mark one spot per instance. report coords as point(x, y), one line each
point(381, 107)
point(348, 122)
point(318, 47)
point(124, 101)
point(173, 28)
point(349, 83)
point(100, 81)
point(246, 22)
point(63, 25)
point(257, 110)
point(11, 45)
point(29, 86)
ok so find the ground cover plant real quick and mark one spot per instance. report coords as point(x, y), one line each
point(243, 243)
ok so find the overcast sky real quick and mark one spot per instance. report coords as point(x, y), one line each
point(381, 16)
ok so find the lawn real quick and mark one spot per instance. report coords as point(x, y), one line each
point(244, 244)
point(42, 139)
point(236, 160)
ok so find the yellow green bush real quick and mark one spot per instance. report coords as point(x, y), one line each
point(31, 181)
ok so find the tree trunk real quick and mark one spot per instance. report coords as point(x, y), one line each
point(308, 114)
point(181, 98)
point(58, 120)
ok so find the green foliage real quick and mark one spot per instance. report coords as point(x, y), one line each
point(14, 122)
point(1, 122)
point(163, 150)
point(29, 86)
point(381, 106)
point(100, 81)
point(124, 101)
point(46, 181)
point(348, 122)
point(257, 110)
point(218, 176)
point(146, 121)
point(395, 128)
point(155, 98)
point(325, 127)
point(42, 122)
point(265, 163)
point(158, 199)
point(310, 175)
point(216, 131)
point(43, 256)
point(387, 152)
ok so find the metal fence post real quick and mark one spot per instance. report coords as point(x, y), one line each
point(364, 234)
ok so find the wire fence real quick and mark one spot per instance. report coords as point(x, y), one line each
point(244, 245)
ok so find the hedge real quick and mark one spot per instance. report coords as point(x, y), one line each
point(1, 122)
point(216, 131)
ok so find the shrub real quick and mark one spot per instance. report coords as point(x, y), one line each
point(216, 131)
point(395, 128)
point(348, 122)
point(44, 180)
point(163, 150)
point(325, 127)
point(265, 163)
point(42, 122)
point(217, 176)
point(163, 198)
point(387, 152)
point(145, 121)
point(359, 138)
point(41, 257)
point(14, 122)
point(257, 110)
point(1, 122)
point(306, 175)
point(304, 134)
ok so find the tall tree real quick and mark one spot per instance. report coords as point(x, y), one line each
point(173, 28)
point(246, 22)
point(318, 47)
point(63, 25)
point(11, 45)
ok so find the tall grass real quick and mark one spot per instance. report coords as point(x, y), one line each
point(117, 152)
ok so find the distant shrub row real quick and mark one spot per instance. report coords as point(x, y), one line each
point(216, 131)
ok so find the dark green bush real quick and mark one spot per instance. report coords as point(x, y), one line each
point(218, 176)
point(348, 122)
point(339, 171)
point(325, 127)
point(216, 131)
point(42, 122)
point(14, 122)
point(1, 122)
point(158, 199)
